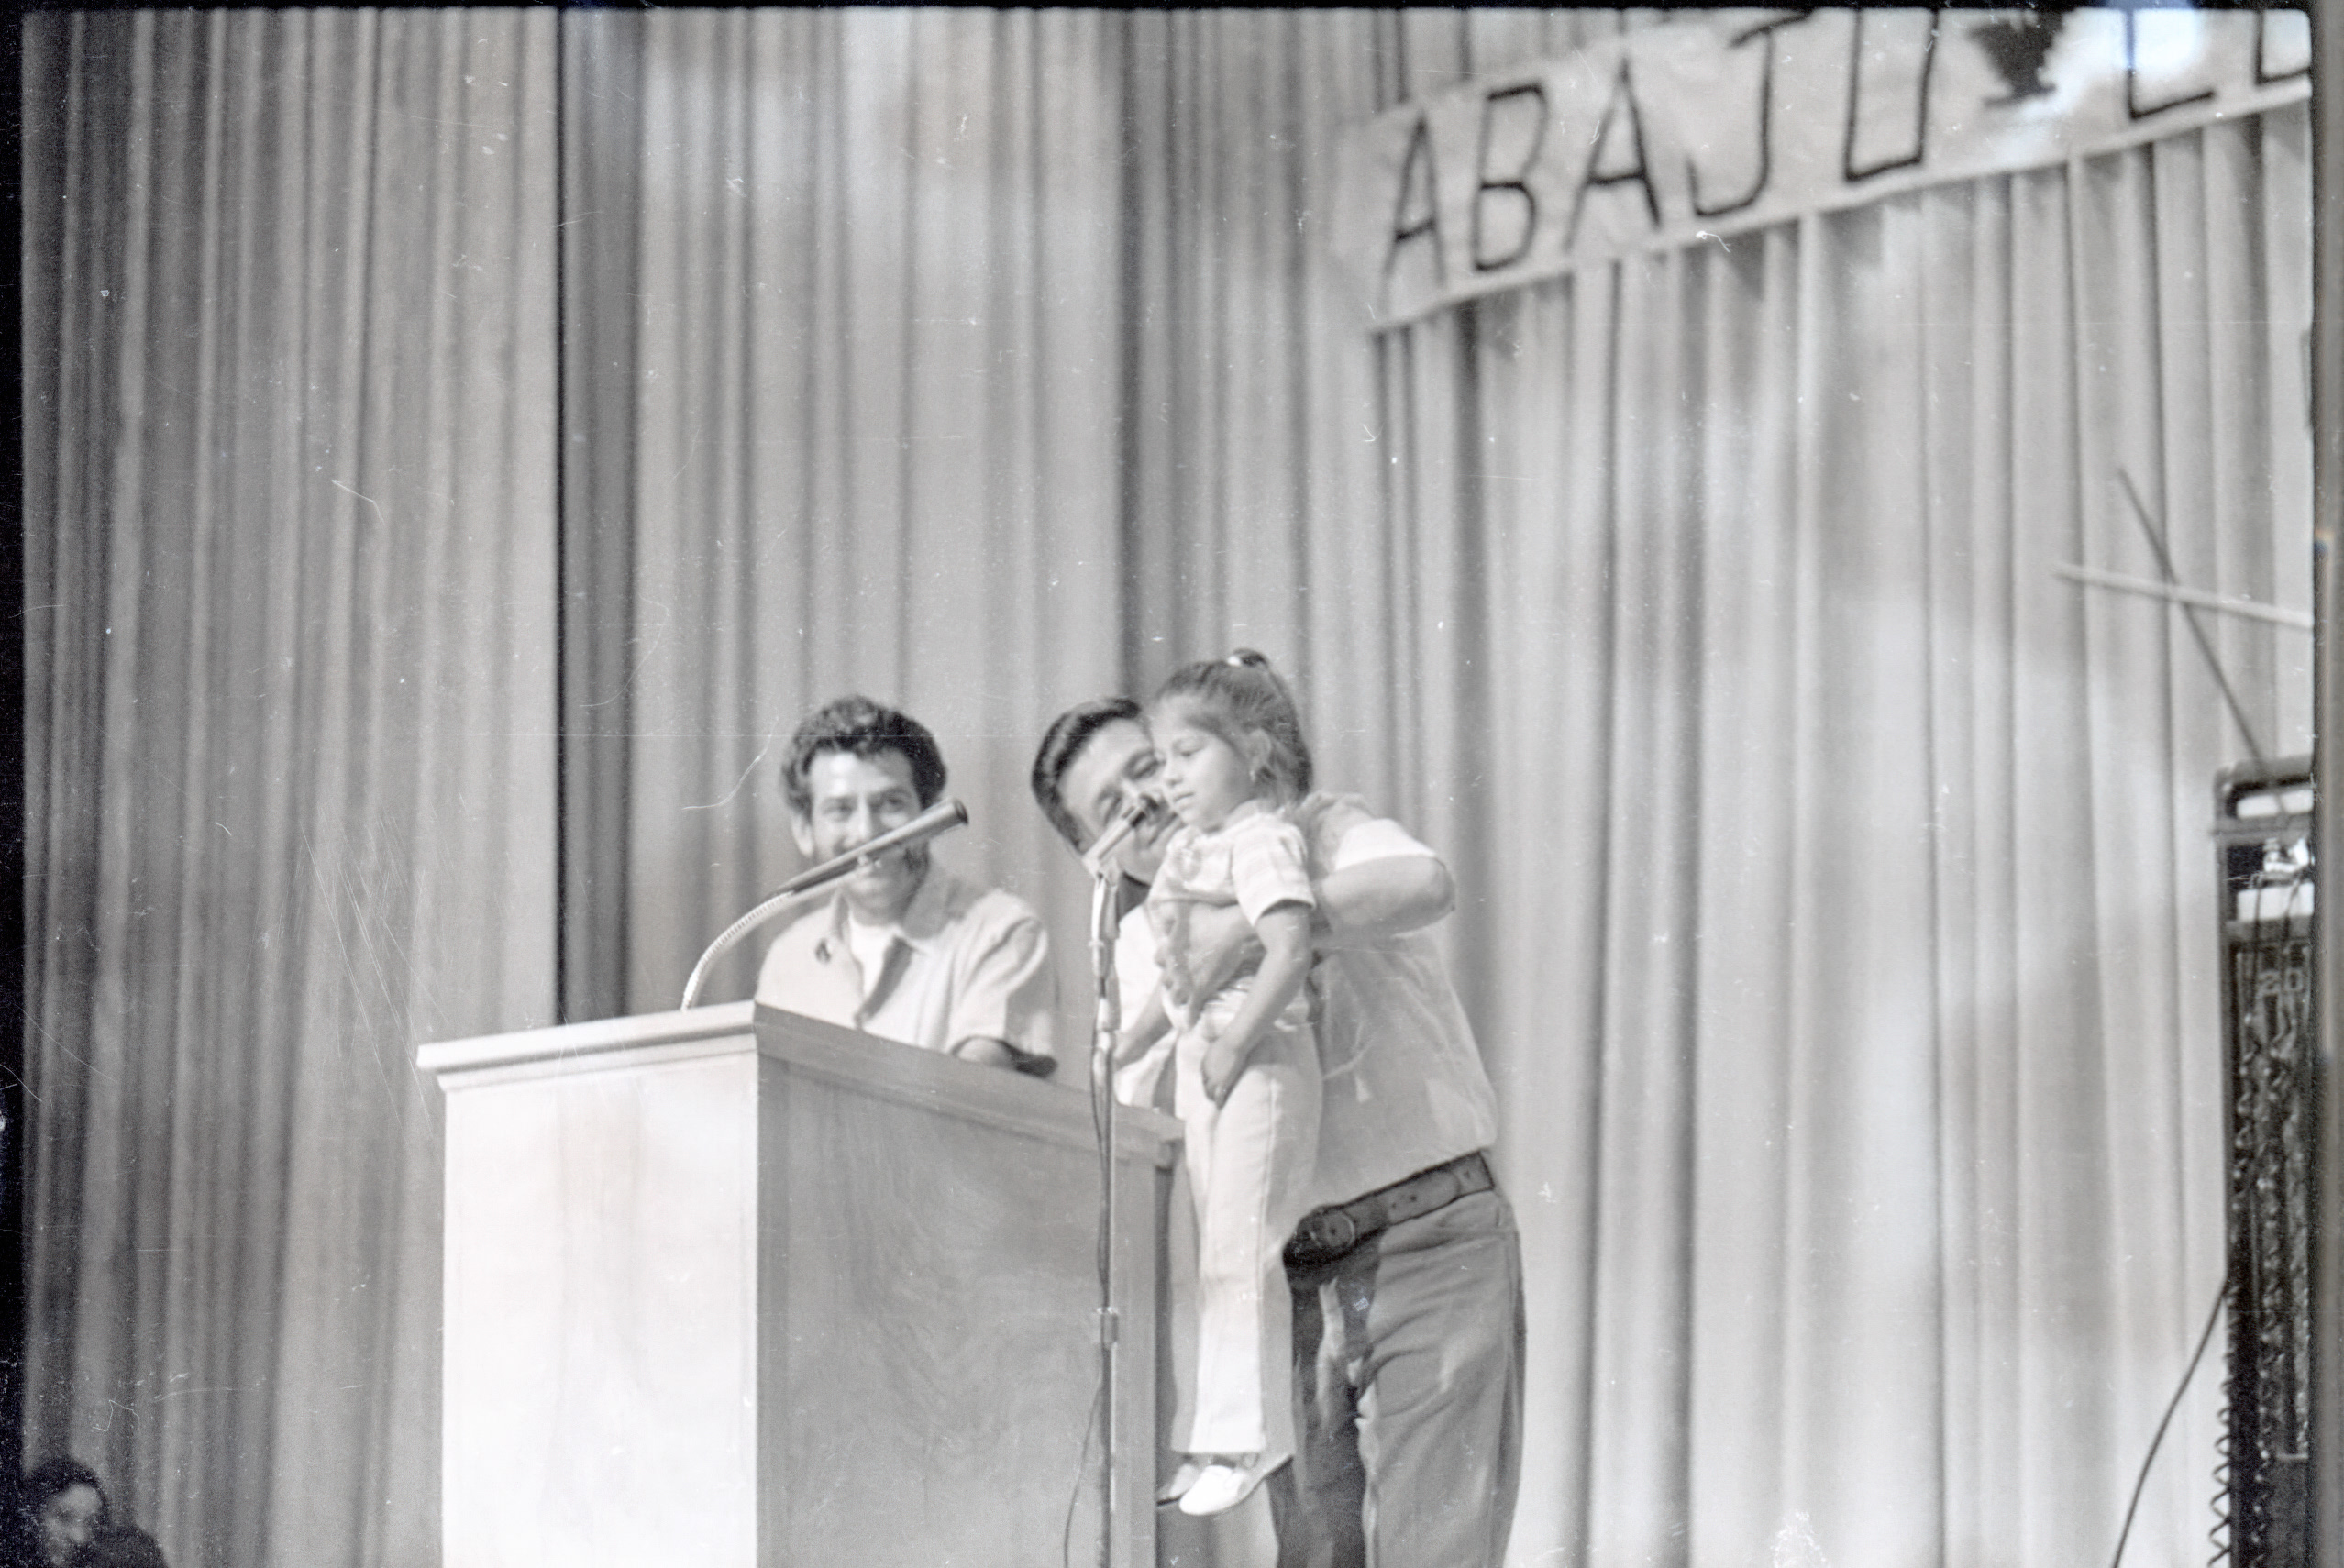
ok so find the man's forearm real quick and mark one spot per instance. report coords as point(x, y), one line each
point(1380, 898)
point(1358, 905)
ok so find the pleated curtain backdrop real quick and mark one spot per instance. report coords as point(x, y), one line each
point(1869, 856)
point(1836, 904)
point(289, 617)
point(872, 283)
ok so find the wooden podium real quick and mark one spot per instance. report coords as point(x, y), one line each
point(732, 1286)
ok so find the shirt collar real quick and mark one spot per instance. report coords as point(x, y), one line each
point(922, 925)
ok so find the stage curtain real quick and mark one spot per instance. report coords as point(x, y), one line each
point(869, 432)
point(1837, 904)
point(289, 610)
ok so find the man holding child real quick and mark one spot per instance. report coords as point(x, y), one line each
point(1405, 1271)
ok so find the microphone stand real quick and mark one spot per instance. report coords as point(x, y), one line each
point(1105, 880)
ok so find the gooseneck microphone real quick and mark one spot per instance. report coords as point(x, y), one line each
point(942, 817)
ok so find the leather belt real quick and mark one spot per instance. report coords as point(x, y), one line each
point(1326, 1234)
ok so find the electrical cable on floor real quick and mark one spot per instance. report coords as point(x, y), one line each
point(1082, 1466)
point(2220, 1295)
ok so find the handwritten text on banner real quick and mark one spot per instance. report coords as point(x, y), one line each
point(1677, 133)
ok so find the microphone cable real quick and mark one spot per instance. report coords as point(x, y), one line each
point(1082, 1472)
point(2221, 1293)
point(1098, 1120)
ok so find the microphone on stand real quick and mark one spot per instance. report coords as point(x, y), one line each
point(1130, 819)
point(942, 817)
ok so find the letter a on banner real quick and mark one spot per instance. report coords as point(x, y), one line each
point(1608, 163)
point(1419, 193)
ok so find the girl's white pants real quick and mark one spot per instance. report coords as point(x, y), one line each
point(1248, 1163)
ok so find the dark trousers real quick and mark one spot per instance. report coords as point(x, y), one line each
point(1408, 1374)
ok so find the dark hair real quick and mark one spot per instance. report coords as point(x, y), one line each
point(52, 1477)
point(121, 1546)
point(1061, 743)
point(862, 728)
point(1241, 694)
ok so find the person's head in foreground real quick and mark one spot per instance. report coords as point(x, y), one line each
point(64, 1505)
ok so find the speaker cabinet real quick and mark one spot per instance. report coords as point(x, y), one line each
point(2263, 837)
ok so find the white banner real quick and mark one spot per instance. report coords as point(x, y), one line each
point(1696, 129)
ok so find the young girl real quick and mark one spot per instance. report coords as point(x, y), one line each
point(1246, 1073)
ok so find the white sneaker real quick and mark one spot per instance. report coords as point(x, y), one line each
point(1221, 1487)
point(1172, 1491)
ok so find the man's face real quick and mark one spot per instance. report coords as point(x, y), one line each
point(1115, 766)
point(855, 799)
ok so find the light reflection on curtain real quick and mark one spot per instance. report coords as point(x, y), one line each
point(874, 427)
point(289, 608)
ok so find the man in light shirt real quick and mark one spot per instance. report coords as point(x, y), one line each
point(1406, 1273)
point(903, 949)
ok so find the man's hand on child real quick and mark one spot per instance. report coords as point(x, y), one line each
point(1220, 1066)
point(1221, 944)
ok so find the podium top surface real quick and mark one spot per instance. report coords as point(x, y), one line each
point(567, 1042)
point(883, 1068)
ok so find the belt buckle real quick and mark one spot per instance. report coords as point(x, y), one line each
point(1324, 1236)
